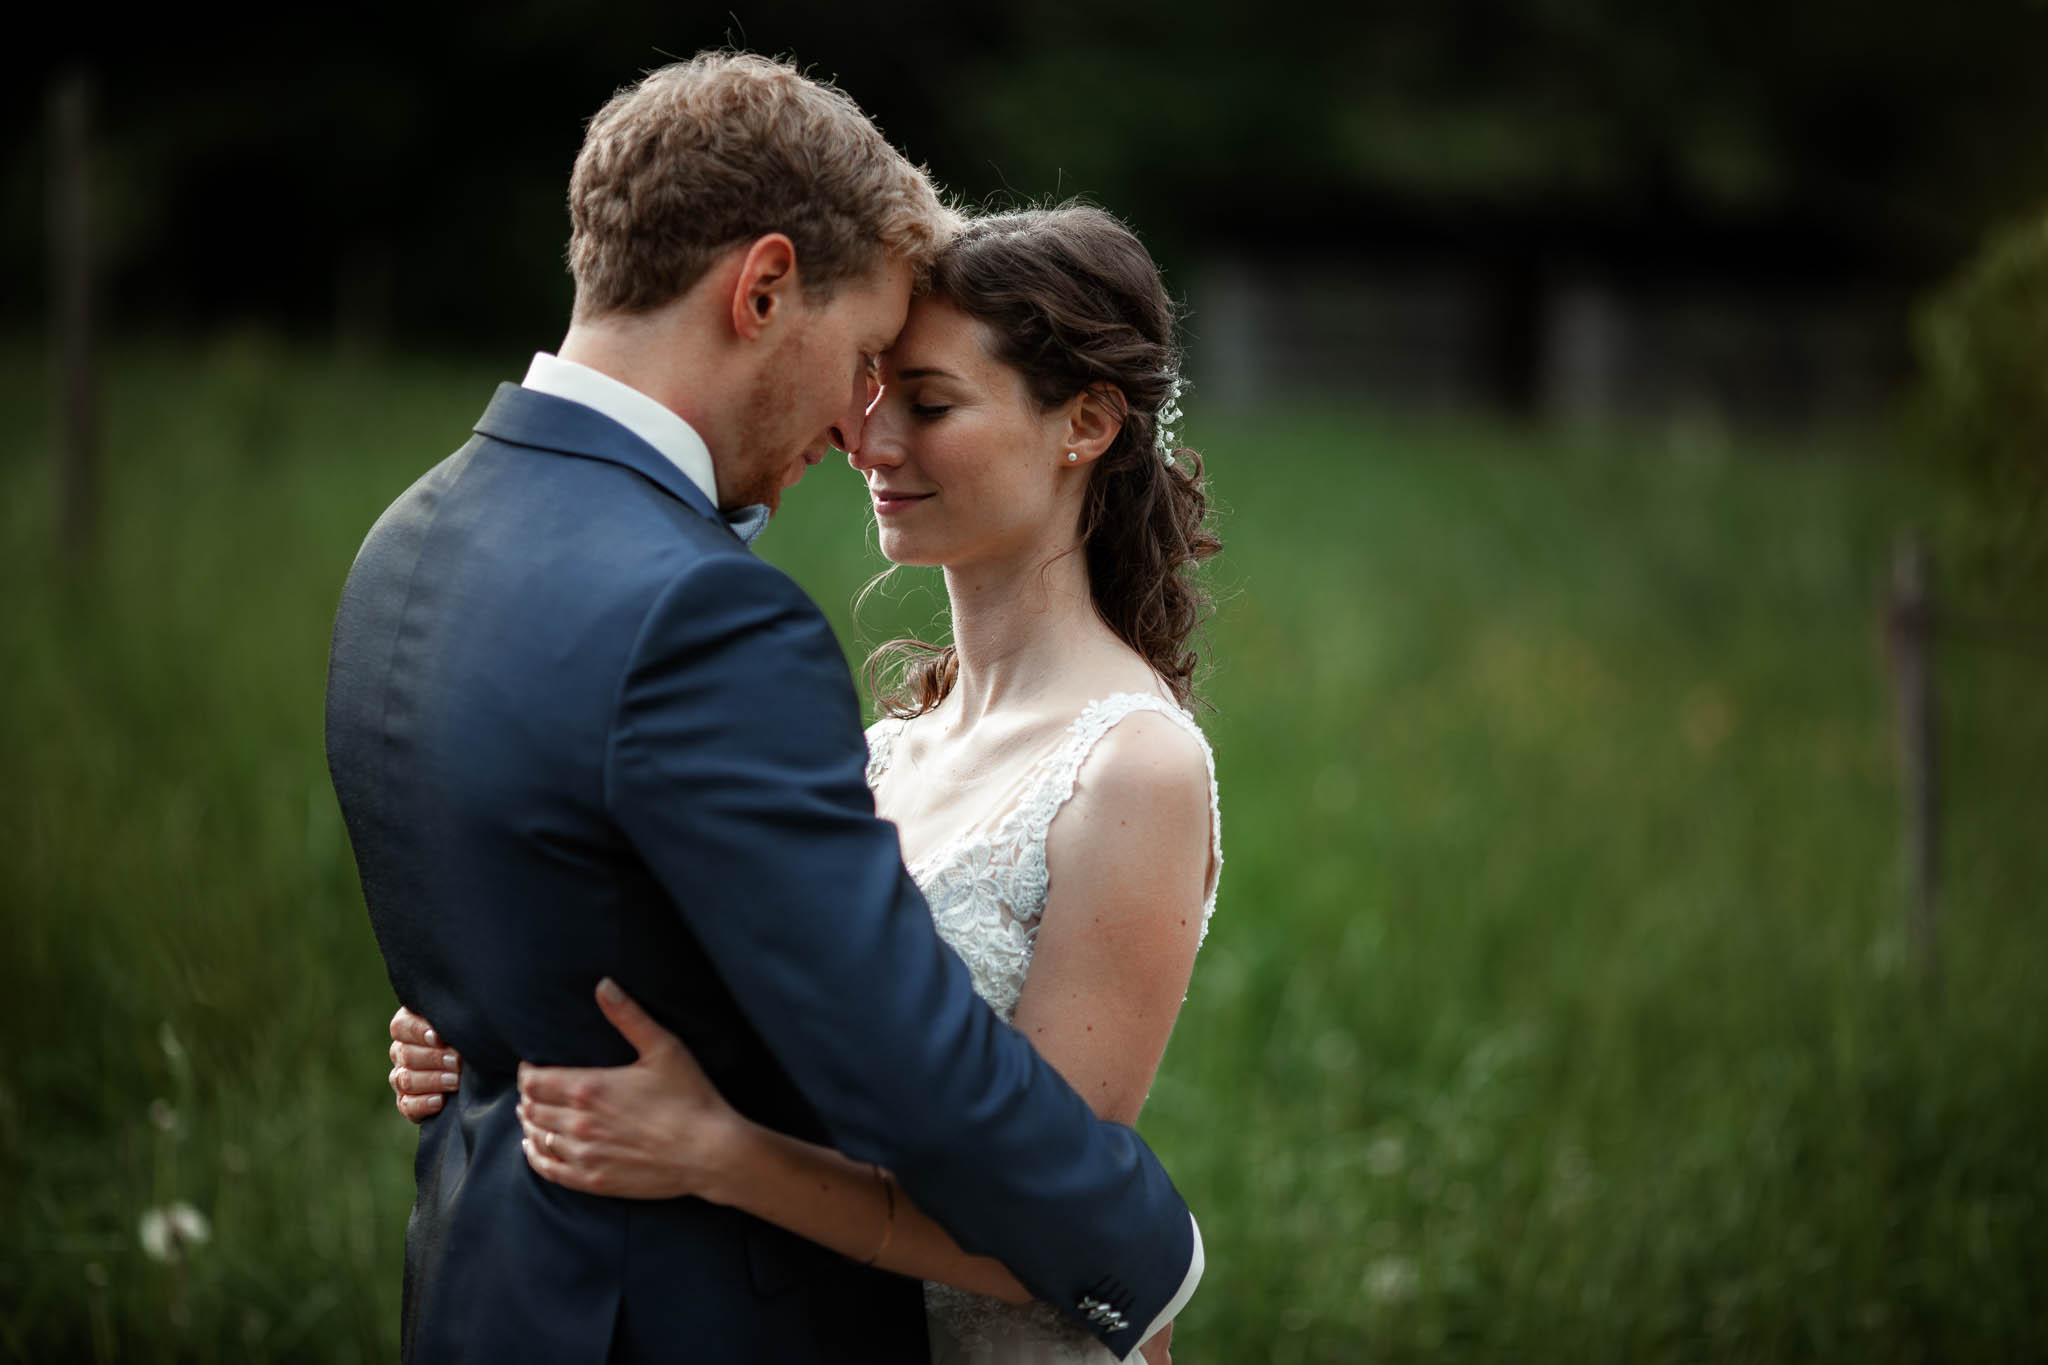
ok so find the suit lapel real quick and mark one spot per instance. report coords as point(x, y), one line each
point(522, 417)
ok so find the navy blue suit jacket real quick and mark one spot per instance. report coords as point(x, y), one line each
point(578, 729)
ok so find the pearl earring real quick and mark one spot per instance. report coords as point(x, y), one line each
point(1073, 456)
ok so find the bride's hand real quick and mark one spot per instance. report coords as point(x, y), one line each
point(422, 1069)
point(654, 1129)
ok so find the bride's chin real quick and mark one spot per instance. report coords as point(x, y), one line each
point(909, 559)
point(901, 550)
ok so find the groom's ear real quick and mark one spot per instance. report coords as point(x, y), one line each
point(764, 286)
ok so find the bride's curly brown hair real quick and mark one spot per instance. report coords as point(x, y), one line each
point(1073, 301)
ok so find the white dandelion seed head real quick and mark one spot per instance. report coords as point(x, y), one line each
point(167, 1233)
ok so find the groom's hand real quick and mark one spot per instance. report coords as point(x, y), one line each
point(654, 1129)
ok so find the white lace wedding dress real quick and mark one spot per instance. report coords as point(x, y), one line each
point(987, 891)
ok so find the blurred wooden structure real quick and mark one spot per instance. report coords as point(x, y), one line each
point(1910, 624)
point(72, 302)
point(1913, 624)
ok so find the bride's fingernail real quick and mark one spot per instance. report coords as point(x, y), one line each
point(450, 1081)
point(609, 989)
point(450, 1060)
point(433, 1039)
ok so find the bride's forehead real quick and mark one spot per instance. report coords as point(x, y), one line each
point(937, 335)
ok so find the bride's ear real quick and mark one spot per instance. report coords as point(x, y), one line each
point(1094, 417)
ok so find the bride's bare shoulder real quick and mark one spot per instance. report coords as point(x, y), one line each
point(1144, 740)
point(1148, 767)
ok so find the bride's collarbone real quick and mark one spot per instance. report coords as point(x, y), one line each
point(939, 789)
point(994, 748)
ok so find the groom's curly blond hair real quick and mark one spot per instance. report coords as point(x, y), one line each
point(706, 154)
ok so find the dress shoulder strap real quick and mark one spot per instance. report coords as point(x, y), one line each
point(1062, 767)
point(882, 746)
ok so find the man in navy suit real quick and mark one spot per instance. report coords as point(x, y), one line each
point(578, 730)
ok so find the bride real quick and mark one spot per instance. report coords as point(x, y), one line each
point(1055, 800)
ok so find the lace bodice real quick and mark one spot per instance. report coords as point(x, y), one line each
point(987, 891)
point(987, 887)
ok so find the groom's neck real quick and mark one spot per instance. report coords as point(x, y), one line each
point(663, 355)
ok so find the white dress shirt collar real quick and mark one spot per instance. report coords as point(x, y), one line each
point(631, 409)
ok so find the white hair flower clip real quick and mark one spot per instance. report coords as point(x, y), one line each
point(1163, 435)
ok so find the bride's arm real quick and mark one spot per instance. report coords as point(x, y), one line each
point(658, 1129)
point(667, 1132)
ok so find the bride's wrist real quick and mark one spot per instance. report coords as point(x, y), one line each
point(732, 1150)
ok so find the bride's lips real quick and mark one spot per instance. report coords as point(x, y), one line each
point(888, 501)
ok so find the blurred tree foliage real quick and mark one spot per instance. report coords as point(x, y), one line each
point(1984, 355)
point(403, 169)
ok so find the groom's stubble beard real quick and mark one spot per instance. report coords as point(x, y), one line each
point(766, 448)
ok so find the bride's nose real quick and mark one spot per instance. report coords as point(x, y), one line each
point(878, 446)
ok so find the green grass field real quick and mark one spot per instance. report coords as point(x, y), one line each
point(1556, 1008)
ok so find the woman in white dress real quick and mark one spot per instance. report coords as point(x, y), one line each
point(1056, 801)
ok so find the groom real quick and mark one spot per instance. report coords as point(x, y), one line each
point(578, 730)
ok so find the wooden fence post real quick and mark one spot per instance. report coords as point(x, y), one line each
point(1911, 627)
point(71, 310)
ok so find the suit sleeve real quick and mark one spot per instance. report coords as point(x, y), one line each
point(737, 770)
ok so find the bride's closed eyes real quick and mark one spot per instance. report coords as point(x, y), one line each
point(921, 410)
